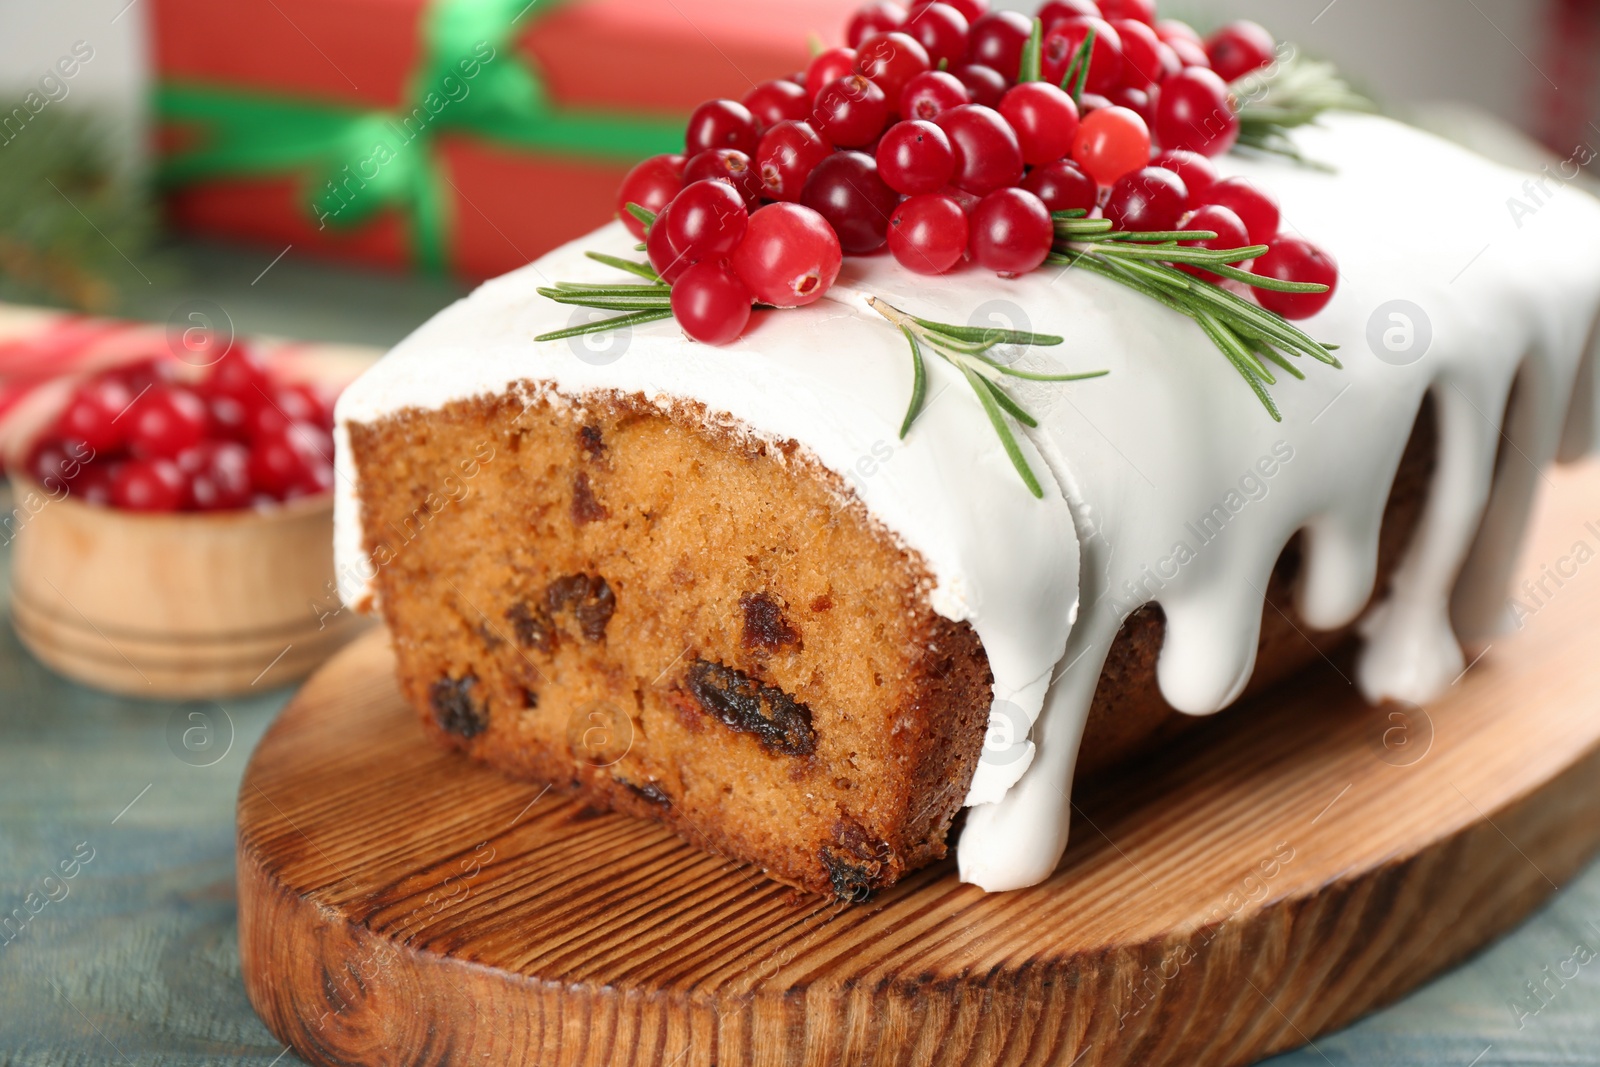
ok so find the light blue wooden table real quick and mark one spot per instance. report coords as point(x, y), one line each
point(135, 959)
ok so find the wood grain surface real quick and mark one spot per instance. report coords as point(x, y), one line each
point(1293, 866)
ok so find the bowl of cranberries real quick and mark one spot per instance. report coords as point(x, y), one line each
point(171, 529)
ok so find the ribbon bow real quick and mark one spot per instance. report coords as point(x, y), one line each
point(358, 161)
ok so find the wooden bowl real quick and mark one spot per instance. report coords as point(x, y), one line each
point(175, 606)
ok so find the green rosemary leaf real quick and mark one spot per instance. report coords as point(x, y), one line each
point(609, 303)
point(620, 289)
point(643, 270)
point(1012, 372)
point(1266, 351)
point(989, 336)
point(1029, 71)
point(646, 217)
point(1007, 440)
point(919, 384)
point(1275, 284)
point(1072, 213)
point(1078, 70)
point(1011, 407)
point(1246, 368)
point(638, 318)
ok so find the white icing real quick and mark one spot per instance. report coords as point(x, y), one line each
point(1137, 461)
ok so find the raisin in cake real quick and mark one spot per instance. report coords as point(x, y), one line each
point(712, 586)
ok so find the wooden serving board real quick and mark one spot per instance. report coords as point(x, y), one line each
point(1287, 869)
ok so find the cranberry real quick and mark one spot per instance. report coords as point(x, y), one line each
point(879, 16)
point(1142, 63)
point(230, 419)
point(708, 220)
point(1196, 171)
point(1189, 53)
point(1240, 48)
point(996, 40)
point(789, 152)
point(1045, 120)
point(239, 373)
point(926, 95)
point(778, 101)
point(829, 67)
point(928, 234)
point(153, 484)
point(915, 157)
point(1111, 142)
point(300, 402)
point(93, 415)
point(1054, 11)
point(54, 463)
point(790, 257)
point(1105, 58)
point(165, 421)
point(1195, 112)
point(1141, 10)
point(141, 374)
point(848, 192)
point(721, 124)
point(1088, 102)
point(1294, 259)
point(278, 463)
point(218, 476)
point(668, 260)
point(651, 184)
point(1256, 208)
point(851, 112)
point(726, 165)
point(1135, 100)
point(970, 9)
point(1229, 230)
point(1170, 30)
point(988, 156)
point(93, 483)
point(891, 60)
point(711, 304)
point(942, 32)
point(1063, 186)
point(983, 84)
point(1011, 232)
point(968, 202)
point(1147, 199)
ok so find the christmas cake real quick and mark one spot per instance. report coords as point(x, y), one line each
point(728, 516)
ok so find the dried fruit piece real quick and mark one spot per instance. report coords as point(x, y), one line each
point(780, 722)
point(455, 709)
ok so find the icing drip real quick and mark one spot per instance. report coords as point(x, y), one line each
point(1164, 482)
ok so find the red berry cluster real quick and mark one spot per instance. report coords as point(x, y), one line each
point(141, 438)
point(918, 135)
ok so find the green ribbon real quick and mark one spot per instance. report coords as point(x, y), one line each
point(357, 161)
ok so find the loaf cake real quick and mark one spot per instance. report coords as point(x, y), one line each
point(711, 584)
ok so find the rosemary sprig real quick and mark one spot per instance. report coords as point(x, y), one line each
point(1289, 93)
point(966, 348)
point(1249, 337)
point(1077, 75)
point(642, 303)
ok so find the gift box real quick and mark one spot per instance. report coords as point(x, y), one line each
point(467, 136)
